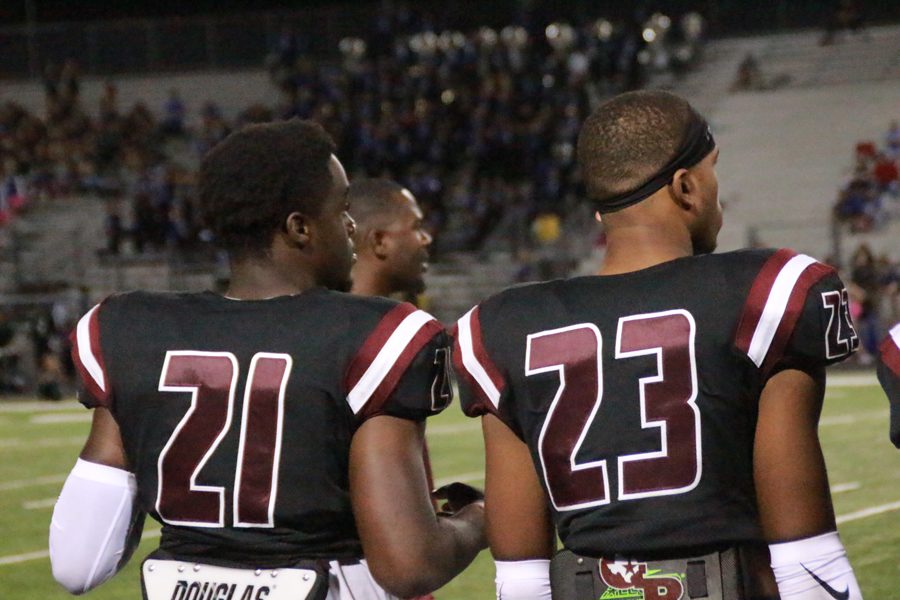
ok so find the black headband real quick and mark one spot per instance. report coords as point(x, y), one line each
point(697, 144)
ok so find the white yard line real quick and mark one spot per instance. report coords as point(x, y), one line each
point(868, 512)
point(24, 483)
point(845, 487)
point(38, 406)
point(53, 418)
point(20, 558)
point(37, 504)
point(849, 419)
point(43, 443)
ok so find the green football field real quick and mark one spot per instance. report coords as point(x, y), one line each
point(39, 443)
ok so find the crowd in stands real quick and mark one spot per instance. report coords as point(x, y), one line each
point(872, 195)
point(874, 286)
point(868, 202)
point(473, 123)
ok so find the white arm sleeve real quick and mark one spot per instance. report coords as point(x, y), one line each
point(523, 580)
point(814, 568)
point(90, 525)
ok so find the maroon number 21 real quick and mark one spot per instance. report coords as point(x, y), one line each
point(667, 404)
point(211, 378)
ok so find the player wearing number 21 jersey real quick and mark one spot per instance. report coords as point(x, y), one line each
point(661, 415)
point(275, 431)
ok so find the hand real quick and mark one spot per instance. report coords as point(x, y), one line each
point(457, 495)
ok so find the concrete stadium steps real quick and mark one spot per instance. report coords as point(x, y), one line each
point(153, 273)
point(873, 55)
point(709, 82)
point(233, 91)
point(462, 280)
point(786, 153)
point(58, 239)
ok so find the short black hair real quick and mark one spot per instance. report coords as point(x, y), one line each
point(628, 139)
point(371, 199)
point(250, 182)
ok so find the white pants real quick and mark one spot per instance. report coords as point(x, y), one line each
point(354, 582)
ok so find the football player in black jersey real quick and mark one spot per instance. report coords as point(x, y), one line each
point(391, 246)
point(889, 376)
point(276, 431)
point(661, 415)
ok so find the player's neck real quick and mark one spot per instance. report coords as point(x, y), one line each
point(261, 279)
point(636, 247)
point(368, 282)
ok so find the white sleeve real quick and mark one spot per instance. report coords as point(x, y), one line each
point(814, 568)
point(523, 580)
point(90, 525)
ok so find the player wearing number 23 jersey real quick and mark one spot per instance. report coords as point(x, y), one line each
point(661, 416)
point(637, 393)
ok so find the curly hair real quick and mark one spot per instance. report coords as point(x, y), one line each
point(627, 139)
point(250, 182)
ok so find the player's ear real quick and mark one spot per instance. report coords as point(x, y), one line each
point(684, 189)
point(296, 228)
point(378, 241)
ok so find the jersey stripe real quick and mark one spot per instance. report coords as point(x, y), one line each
point(375, 342)
point(392, 356)
point(890, 350)
point(756, 299)
point(783, 282)
point(88, 356)
point(472, 360)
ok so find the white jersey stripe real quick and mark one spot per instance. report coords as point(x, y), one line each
point(86, 353)
point(471, 363)
point(776, 303)
point(895, 334)
point(386, 358)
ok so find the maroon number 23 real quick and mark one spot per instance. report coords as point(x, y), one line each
point(667, 404)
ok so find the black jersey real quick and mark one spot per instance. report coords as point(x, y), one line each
point(237, 416)
point(889, 376)
point(637, 394)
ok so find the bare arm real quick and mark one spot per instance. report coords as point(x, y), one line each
point(789, 470)
point(518, 522)
point(104, 444)
point(410, 550)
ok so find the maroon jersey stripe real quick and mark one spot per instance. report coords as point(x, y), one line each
point(812, 275)
point(373, 344)
point(890, 355)
point(759, 294)
point(390, 381)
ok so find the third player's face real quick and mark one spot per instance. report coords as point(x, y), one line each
point(337, 227)
point(707, 228)
point(408, 246)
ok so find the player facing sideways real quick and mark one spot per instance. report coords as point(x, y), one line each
point(391, 241)
point(276, 431)
point(889, 377)
point(662, 415)
point(391, 246)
